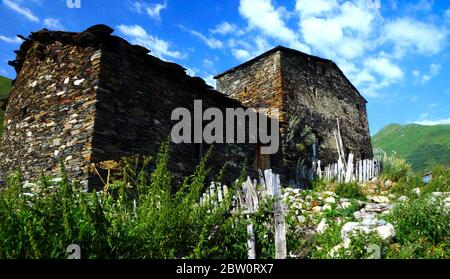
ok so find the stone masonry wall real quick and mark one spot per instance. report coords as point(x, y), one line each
point(51, 110)
point(319, 93)
point(258, 85)
point(136, 97)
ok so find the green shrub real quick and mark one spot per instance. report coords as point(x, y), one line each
point(422, 228)
point(349, 190)
point(440, 181)
point(156, 222)
point(395, 168)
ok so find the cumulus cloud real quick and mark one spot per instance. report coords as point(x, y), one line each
point(139, 36)
point(408, 34)
point(27, 13)
point(384, 67)
point(336, 31)
point(262, 15)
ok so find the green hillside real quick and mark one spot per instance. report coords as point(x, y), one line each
point(422, 146)
point(5, 86)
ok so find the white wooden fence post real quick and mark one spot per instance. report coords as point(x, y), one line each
point(280, 225)
point(251, 245)
point(349, 174)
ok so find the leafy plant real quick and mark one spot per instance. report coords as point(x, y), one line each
point(350, 191)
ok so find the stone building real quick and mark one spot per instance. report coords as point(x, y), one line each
point(304, 87)
point(89, 97)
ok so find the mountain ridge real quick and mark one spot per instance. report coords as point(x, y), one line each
point(422, 146)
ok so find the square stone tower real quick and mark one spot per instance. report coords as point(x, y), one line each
point(304, 87)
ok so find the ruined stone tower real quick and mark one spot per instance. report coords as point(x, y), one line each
point(310, 88)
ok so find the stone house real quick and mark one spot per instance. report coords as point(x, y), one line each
point(304, 87)
point(89, 97)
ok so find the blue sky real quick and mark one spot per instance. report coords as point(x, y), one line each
point(396, 55)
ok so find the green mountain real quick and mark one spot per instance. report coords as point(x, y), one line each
point(422, 146)
point(5, 87)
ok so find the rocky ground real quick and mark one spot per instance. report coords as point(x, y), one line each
point(315, 211)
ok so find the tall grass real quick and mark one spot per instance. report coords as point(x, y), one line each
point(139, 216)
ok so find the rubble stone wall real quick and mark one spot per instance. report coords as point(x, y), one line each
point(318, 92)
point(51, 111)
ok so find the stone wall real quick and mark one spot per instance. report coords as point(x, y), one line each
point(51, 110)
point(258, 84)
point(318, 92)
point(136, 97)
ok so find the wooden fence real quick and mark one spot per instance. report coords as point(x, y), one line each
point(247, 202)
point(359, 171)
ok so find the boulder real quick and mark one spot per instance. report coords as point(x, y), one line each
point(330, 200)
point(379, 199)
point(322, 227)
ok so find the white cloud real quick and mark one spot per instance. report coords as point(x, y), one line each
point(421, 6)
point(262, 15)
point(53, 23)
point(208, 63)
point(241, 54)
point(2, 72)
point(384, 67)
point(411, 35)
point(435, 69)
point(224, 28)
point(447, 14)
point(345, 31)
point(209, 41)
point(416, 73)
point(433, 122)
point(21, 10)
point(9, 40)
point(158, 47)
point(153, 9)
point(315, 7)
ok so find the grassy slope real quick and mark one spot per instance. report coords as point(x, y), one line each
point(5, 86)
point(422, 146)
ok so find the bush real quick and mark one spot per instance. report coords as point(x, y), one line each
point(40, 220)
point(349, 190)
point(440, 181)
point(422, 228)
point(395, 168)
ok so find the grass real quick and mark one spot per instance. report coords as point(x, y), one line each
point(422, 146)
point(5, 87)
